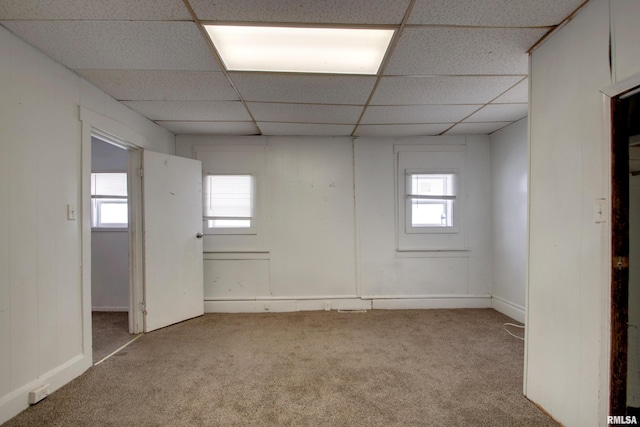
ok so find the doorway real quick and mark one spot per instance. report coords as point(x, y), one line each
point(625, 277)
point(110, 265)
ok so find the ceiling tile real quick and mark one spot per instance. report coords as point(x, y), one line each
point(503, 13)
point(476, 128)
point(299, 129)
point(402, 130)
point(210, 128)
point(306, 89)
point(500, 113)
point(441, 90)
point(307, 11)
point(518, 93)
point(150, 85)
point(119, 45)
point(463, 51)
point(417, 114)
point(126, 10)
point(225, 111)
point(305, 113)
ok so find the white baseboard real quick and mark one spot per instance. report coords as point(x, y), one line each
point(365, 303)
point(508, 308)
point(433, 302)
point(278, 306)
point(18, 400)
point(109, 308)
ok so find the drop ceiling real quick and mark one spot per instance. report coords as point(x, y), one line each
point(454, 67)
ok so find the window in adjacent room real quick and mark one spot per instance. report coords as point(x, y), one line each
point(430, 199)
point(229, 203)
point(109, 208)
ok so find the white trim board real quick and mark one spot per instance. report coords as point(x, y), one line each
point(110, 308)
point(18, 400)
point(273, 304)
point(508, 308)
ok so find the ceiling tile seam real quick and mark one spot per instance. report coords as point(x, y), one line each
point(215, 54)
point(555, 29)
point(219, 101)
point(201, 121)
point(483, 27)
point(304, 103)
point(508, 89)
point(385, 61)
point(298, 24)
point(455, 75)
point(94, 20)
point(351, 124)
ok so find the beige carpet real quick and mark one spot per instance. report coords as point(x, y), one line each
point(110, 332)
point(380, 368)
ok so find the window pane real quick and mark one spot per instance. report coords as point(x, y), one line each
point(429, 214)
point(113, 213)
point(228, 196)
point(108, 184)
point(432, 184)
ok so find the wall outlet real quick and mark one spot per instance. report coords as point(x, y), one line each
point(266, 307)
point(38, 394)
point(327, 306)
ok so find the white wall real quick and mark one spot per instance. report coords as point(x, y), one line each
point(109, 247)
point(43, 318)
point(509, 166)
point(568, 305)
point(329, 234)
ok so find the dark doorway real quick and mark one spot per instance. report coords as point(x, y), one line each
point(625, 110)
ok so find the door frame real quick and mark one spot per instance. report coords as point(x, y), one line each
point(617, 342)
point(118, 134)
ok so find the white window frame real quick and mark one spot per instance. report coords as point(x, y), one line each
point(409, 198)
point(424, 158)
point(252, 229)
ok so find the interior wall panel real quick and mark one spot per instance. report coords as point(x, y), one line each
point(569, 270)
point(41, 314)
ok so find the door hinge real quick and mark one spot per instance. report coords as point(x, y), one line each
point(140, 173)
point(621, 263)
point(143, 306)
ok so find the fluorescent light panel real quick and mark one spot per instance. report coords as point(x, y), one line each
point(300, 50)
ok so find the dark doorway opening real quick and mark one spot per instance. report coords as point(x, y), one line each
point(625, 292)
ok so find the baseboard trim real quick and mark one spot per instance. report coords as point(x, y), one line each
point(109, 308)
point(285, 305)
point(383, 302)
point(18, 400)
point(432, 302)
point(508, 308)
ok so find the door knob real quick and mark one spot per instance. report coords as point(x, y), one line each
point(199, 235)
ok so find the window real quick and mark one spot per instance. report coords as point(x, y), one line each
point(109, 208)
point(229, 203)
point(430, 197)
point(430, 200)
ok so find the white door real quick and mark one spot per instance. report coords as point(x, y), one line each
point(172, 212)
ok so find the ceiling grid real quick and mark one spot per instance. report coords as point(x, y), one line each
point(453, 66)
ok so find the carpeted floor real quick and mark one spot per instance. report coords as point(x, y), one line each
point(110, 332)
point(379, 368)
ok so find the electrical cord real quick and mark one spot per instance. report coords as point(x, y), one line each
point(510, 333)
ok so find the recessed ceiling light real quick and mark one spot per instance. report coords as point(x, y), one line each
point(300, 49)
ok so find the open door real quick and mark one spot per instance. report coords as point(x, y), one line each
point(173, 262)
